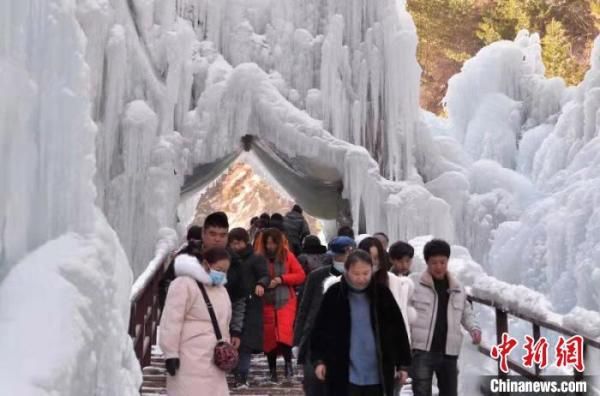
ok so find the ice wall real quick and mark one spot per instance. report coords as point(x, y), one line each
point(159, 67)
point(65, 279)
point(141, 84)
point(529, 211)
point(340, 60)
point(245, 100)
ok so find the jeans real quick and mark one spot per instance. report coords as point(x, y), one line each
point(244, 363)
point(425, 364)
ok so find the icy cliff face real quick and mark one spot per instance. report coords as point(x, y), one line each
point(64, 276)
point(531, 213)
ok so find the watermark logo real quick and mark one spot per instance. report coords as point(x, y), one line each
point(569, 352)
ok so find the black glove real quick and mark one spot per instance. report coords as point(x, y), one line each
point(172, 365)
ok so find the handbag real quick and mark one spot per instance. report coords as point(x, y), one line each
point(225, 355)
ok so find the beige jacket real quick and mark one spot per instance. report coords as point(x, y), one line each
point(186, 331)
point(460, 312)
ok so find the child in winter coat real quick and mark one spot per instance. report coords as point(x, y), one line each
point(187, 335)
point(359, 342)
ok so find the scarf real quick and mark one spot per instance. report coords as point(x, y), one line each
point(280, 295)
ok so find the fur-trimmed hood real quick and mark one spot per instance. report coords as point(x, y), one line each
point(186, 265)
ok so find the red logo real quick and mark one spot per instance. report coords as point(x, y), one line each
point(570, 352)
point(536, 353)
point(502, 350)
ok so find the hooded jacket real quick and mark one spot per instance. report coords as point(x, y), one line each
point(187, 333)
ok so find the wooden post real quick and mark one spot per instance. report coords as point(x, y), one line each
point(579, 376)
point(536, 337)
point(501, 327)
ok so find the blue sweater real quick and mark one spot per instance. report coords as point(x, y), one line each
point(364, 369)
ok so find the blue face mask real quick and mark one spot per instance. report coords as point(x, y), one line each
point(218, 278)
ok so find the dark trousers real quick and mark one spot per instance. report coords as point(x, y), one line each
point(425, 364)
point(243, 367)
point(281, 349)
point(364, 390)
point(311, 385)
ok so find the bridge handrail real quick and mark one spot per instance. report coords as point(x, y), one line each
point(145, 312)
point(502, 313)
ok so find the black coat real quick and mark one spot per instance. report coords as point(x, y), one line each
point(169, 275)
point(330, 338)
point(254, 272)
point(309, 307)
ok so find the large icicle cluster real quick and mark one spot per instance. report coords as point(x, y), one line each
point(340, 60)
point(65, 279)
point(246, 100)
point(530, 205)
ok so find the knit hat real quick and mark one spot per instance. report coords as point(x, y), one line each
point(194, 232)
point(312, 245)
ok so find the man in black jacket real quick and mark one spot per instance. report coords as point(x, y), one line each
point(193, 246)
point(340, 247)
point(255, 279)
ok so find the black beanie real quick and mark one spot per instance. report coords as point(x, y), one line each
point(194, 232)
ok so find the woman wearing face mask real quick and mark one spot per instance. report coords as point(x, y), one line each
point(359, 342)
point(279, 309)
point(187, 335)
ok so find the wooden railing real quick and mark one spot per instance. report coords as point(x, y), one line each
point(145, 314)
point(502, 327)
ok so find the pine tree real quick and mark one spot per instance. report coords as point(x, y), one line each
point(595, 11)
point(503, 21)
point(556, 53)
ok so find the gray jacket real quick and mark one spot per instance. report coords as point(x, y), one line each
point(296, 228)
point(460, 312)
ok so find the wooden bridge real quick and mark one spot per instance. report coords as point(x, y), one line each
point(145, 316)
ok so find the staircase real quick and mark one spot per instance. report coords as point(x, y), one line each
point(155, 380)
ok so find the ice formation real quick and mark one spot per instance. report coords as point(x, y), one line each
point(65, 278)
point(107, 107)
point(532, 220)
